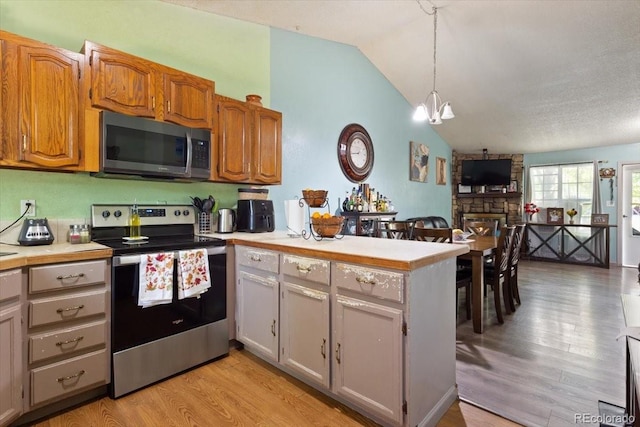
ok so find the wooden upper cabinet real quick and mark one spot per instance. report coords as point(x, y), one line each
point(249, 143)
point(131, 85)
point(42, 105)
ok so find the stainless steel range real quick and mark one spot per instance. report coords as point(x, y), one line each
point(153, 343)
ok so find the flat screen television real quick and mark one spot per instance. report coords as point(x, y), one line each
point(486, 172)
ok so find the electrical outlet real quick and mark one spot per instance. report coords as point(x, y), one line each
point(32, 208)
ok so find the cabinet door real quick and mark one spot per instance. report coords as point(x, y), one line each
point(257, 313)
point(188, 100)
point(120, 82)
point(267, 149)
point(234, 140)
point(304, 343)
point(368, 356)
point(49, 114)
point(10, 364)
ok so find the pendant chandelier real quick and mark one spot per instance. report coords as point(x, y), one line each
point(433, 109)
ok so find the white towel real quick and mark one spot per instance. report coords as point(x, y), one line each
point(193, 273)
point(156, 279)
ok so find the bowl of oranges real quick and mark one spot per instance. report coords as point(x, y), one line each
point(326, 225)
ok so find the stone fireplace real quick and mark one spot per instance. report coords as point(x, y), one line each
point(483, 203)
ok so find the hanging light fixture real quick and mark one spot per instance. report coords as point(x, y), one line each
point(433, 109)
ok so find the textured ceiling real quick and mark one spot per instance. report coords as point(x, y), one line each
point(522, 76)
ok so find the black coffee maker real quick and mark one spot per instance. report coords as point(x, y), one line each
point(255, 216)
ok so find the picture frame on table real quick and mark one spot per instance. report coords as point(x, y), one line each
point(599, 219)
point(555, 215)
point(464, 189)
point(513, 186)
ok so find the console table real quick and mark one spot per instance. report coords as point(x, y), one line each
point(568, 243)
point(361, 223)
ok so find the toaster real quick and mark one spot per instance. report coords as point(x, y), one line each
point(35, 232)
point(255, 216)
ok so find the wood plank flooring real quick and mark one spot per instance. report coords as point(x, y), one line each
point(554, 357)
point(557, 355)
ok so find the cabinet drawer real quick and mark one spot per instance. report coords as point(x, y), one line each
point(70, 307)
point(63, 378)
point(10, 282)
point(64, 276)
point(368, 281)
point(65, 341)
point(257, 258)
point(315, 270)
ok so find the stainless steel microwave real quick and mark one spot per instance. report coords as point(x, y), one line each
point(137, 146)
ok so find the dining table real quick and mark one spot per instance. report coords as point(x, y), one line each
point(480, 247)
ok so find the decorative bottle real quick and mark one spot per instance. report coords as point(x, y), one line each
point(134, 222)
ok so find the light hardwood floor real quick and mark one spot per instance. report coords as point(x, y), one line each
point(557, 355)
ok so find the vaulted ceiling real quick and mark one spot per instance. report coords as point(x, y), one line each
point(522, 76)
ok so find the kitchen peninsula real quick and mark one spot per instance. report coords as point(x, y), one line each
point(369, 322)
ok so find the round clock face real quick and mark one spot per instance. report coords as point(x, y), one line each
point(355, 153)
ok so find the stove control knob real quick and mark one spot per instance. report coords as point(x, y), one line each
point(176, 212)
point(117, 214)
point(105, 214)
point(185, 212)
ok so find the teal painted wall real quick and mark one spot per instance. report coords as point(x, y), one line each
point(612, 155)
point(322, 87)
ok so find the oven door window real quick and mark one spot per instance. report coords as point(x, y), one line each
point(133, 325)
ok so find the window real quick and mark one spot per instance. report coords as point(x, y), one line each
point(564, 186)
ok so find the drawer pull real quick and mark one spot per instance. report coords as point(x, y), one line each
point(303, 268)
point(76, 339)
point(365, 280)
point(323, 348)
point(70, 276)
point(77, 307)
point(76, 375)
point(255, 258)
point(338, 353)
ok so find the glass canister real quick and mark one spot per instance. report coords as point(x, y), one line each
point(85, 234)
point(74, 234)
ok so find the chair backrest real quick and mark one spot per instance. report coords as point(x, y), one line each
point(402, 230)
point(503, 249)
point(482, 228)
point(516, 245)
point(429, 222)
point(437, 235)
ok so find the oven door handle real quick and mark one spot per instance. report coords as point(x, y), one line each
point(135, 259)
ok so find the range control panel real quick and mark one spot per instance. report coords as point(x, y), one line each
point(118, 215)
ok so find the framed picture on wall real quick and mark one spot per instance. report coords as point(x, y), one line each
point(555, 215)
point(418, 162)
point(441, 171)
point(513, 187)
point(599, 219)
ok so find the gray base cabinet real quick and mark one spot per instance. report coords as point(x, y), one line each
point(10, 346)
point(379, 340)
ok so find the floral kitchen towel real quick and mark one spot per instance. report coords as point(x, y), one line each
point(193, 273)
point(156, 279)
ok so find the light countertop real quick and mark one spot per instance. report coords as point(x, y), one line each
point(48, 254)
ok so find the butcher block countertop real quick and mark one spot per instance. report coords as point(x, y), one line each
point(396, 254)
point(49, 254)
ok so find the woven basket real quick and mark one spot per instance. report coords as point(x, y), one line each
point(314, 198)
point(327, 227)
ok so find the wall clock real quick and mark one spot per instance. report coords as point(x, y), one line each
point(355, 152)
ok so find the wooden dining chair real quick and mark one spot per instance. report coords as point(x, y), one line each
point(482, 228)
point(514, 257)
point(463, 275)
point(402, 230)
point(497, 275)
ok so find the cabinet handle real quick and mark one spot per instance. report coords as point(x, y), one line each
point(77, 374)
point(362, 279)
point(273, 328)
point(255, 258)
point(168, 106)
point(70, 276)
point(77, 307)
point(323, 348)
point(338, 352)
point(24, 142)
point(61, 343)
point(303, 268)
point(153, 103)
